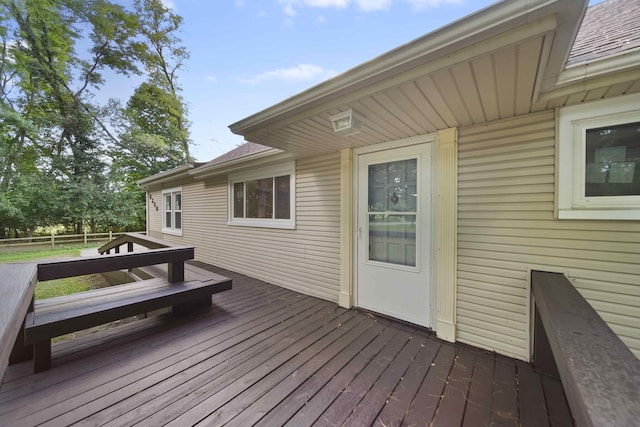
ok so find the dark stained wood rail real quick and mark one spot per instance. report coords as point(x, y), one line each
point(174, 256)
point(137, 238)
point(600, 375)
point(17, 285)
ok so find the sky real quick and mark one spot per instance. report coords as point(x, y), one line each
point(247, 55)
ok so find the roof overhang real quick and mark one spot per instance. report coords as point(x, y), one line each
point(169, 175)
point(533, 37)
point(259, 159)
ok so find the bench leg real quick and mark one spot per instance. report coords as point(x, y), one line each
point(42, 356)
point(20, 352)
point(191, 306)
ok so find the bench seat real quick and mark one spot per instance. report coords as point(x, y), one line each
point(62, 315)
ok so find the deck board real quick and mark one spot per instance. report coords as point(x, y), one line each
point(504, 403)
point(351, 396)
point(454, 398)
point(424, 405)
point(264, 355)
point(395, 408)
point(478, 410)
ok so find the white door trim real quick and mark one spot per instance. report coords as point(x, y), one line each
point(405, 142)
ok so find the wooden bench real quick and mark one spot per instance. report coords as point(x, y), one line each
point(49, 318)
point(62, 315)
point(599, 374)
point(17, 285)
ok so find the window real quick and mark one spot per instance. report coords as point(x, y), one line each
point(172, 211)
point(263, 198)
point(599, 160)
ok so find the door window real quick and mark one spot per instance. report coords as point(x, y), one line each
point(392, 212)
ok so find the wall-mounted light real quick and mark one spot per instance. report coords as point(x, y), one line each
point(346, 123)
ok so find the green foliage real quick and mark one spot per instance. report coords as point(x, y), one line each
point(61, 162)
point(21, 255)
point(69, 285)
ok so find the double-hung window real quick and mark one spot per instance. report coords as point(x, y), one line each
point(172, 211)
point(599, 160)
point(263, 197)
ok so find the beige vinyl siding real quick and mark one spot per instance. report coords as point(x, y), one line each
point(154, 209)
point(506, 226)
point(306, 259)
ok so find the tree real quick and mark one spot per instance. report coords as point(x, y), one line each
point(59, 82)
point(163, 57)
point(155, 137)
point(55, 140)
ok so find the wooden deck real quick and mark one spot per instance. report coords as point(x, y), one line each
point(263, 355)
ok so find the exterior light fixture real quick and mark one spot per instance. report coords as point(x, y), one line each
point(346, 123)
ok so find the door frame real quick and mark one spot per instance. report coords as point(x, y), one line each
point(390, 145)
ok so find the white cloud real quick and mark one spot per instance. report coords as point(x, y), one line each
point(290, 6)
point(320, 20)
point(430, 4)
point(289, 10)
point(302, 72)
point(323, 3)
point(371, 5)
point(211, 78)
point(169, 4)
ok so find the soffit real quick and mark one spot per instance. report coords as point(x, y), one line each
point(488, 86)
point(498, 71)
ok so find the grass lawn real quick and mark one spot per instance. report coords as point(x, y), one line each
point(54, 288)
point(19, 255)
point(69, 285)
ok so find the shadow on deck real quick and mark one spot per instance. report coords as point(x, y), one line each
point(269, 356)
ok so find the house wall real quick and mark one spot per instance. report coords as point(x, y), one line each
point(506, 226)
point(306, 259)
point(154, 211)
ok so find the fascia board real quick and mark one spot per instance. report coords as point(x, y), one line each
point(594, 83)
point(569, 22)
point(592, 69)
point(165, 176)
point(262, 158)
point(467, 31)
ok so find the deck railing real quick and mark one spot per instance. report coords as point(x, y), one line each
point(18, 283)
point(600, 375)
point(58, 239)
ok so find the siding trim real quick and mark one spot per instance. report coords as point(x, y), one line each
point(445, 265)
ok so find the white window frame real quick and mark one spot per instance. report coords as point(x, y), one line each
point(172, 192)
point(574, 121)
point(288, 168)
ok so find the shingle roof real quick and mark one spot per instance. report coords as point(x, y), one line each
point(240, 151)
point(609, 28)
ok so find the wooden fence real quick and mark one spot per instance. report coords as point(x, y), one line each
point(60, 239)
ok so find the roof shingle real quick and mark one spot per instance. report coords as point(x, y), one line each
point(240, 151)
point(609, 28)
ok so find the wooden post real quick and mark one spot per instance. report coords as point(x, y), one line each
point(110, 235)
point(53, 240)
point(20, 352)
point(175, 271)
point(85, 237)
point(42, 356)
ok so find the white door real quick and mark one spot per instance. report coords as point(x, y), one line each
point(394, 233)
